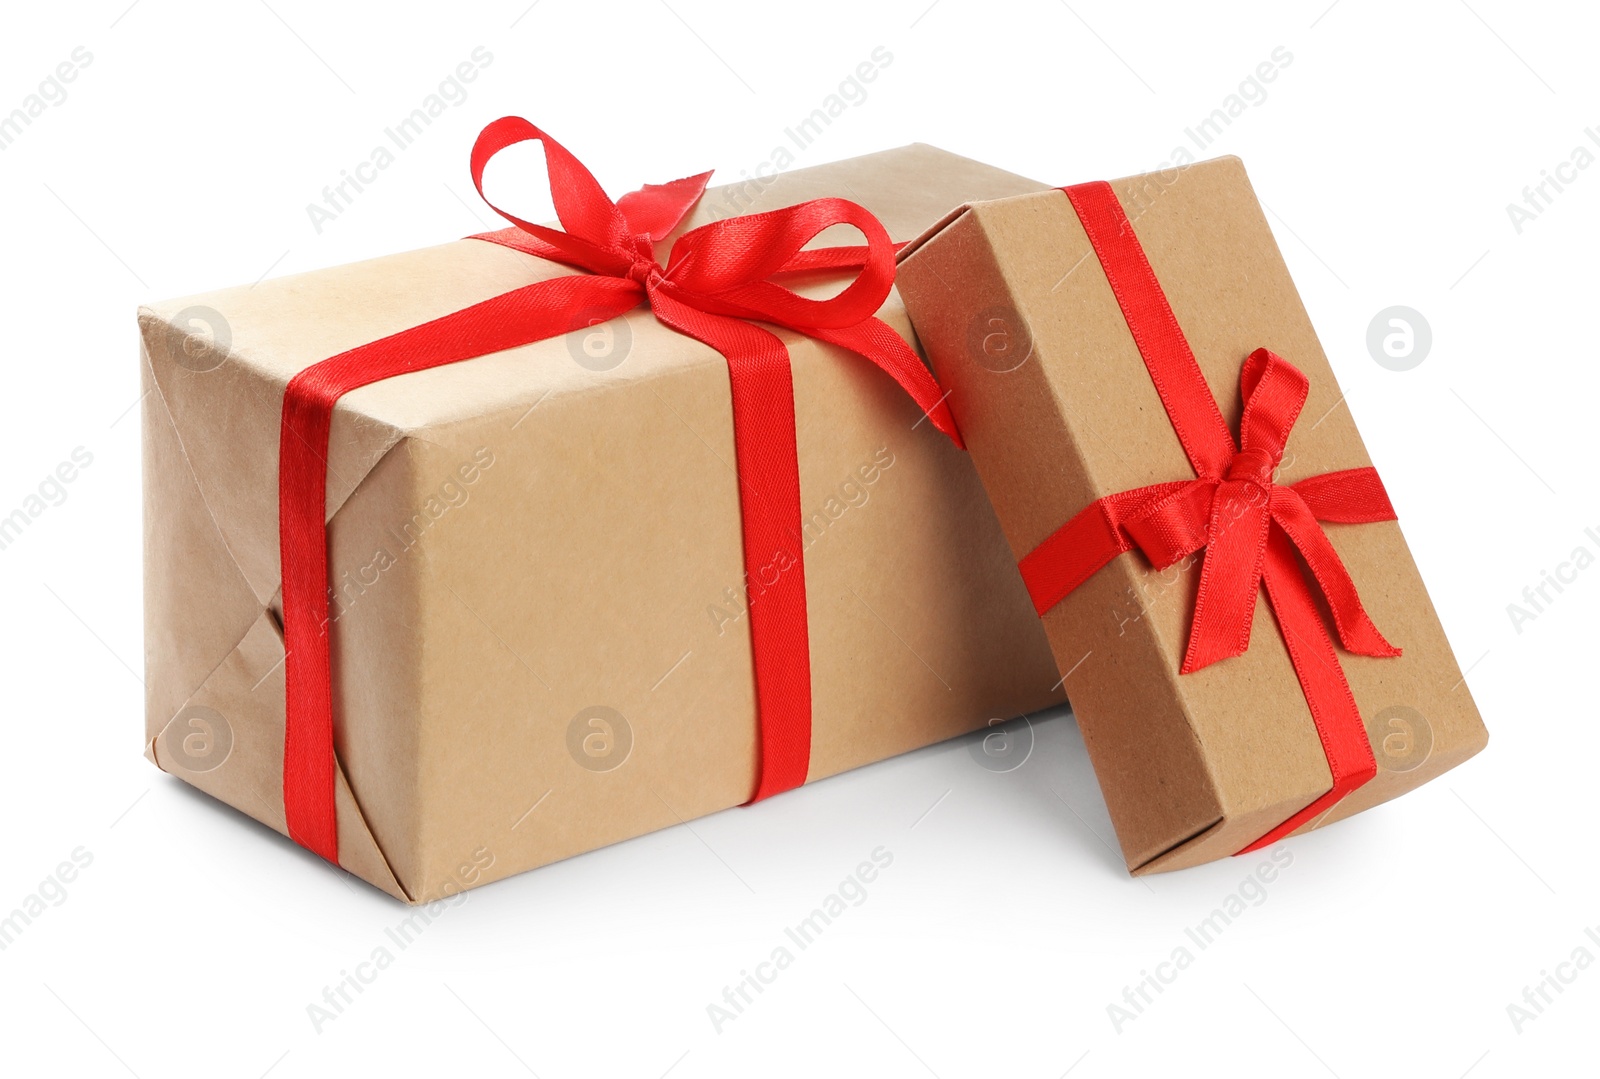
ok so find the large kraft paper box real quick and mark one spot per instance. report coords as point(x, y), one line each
point(539, 635)
point(1058, 410)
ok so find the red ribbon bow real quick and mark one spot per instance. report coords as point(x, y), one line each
point(1249, 525)
point(1232, 516)
point(716, 277)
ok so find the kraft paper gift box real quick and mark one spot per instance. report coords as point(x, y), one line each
point(1030, 326)
point(539, 619)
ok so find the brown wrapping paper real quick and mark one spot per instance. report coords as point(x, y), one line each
point(539, 645)
point(1058, 410)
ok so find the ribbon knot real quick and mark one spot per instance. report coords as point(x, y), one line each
point(646, 272)
point(1255, 465)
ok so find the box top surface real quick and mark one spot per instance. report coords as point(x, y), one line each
point(229, 399)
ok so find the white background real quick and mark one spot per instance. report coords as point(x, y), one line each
point(1387, 151)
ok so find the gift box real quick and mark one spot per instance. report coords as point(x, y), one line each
point(565, 594)
point(1243, 634)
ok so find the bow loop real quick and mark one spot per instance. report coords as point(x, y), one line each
point(731, 263)
point(601, 236)
point(720, 276)
point(1274, 392)
point(597, 235)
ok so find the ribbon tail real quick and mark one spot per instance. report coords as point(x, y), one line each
point(874, 340)
point(1356, 630)
point(1322, 681)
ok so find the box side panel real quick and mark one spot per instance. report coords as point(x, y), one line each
point(576, 691)
point(922, 628)
point(1151, 766)
point(588, 675)
point(214, 647)
point(197, 605)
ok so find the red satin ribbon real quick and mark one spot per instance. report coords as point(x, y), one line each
point(716, 277)
point(1249, 525)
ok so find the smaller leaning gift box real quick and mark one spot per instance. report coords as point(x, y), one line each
point(1245, 639)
